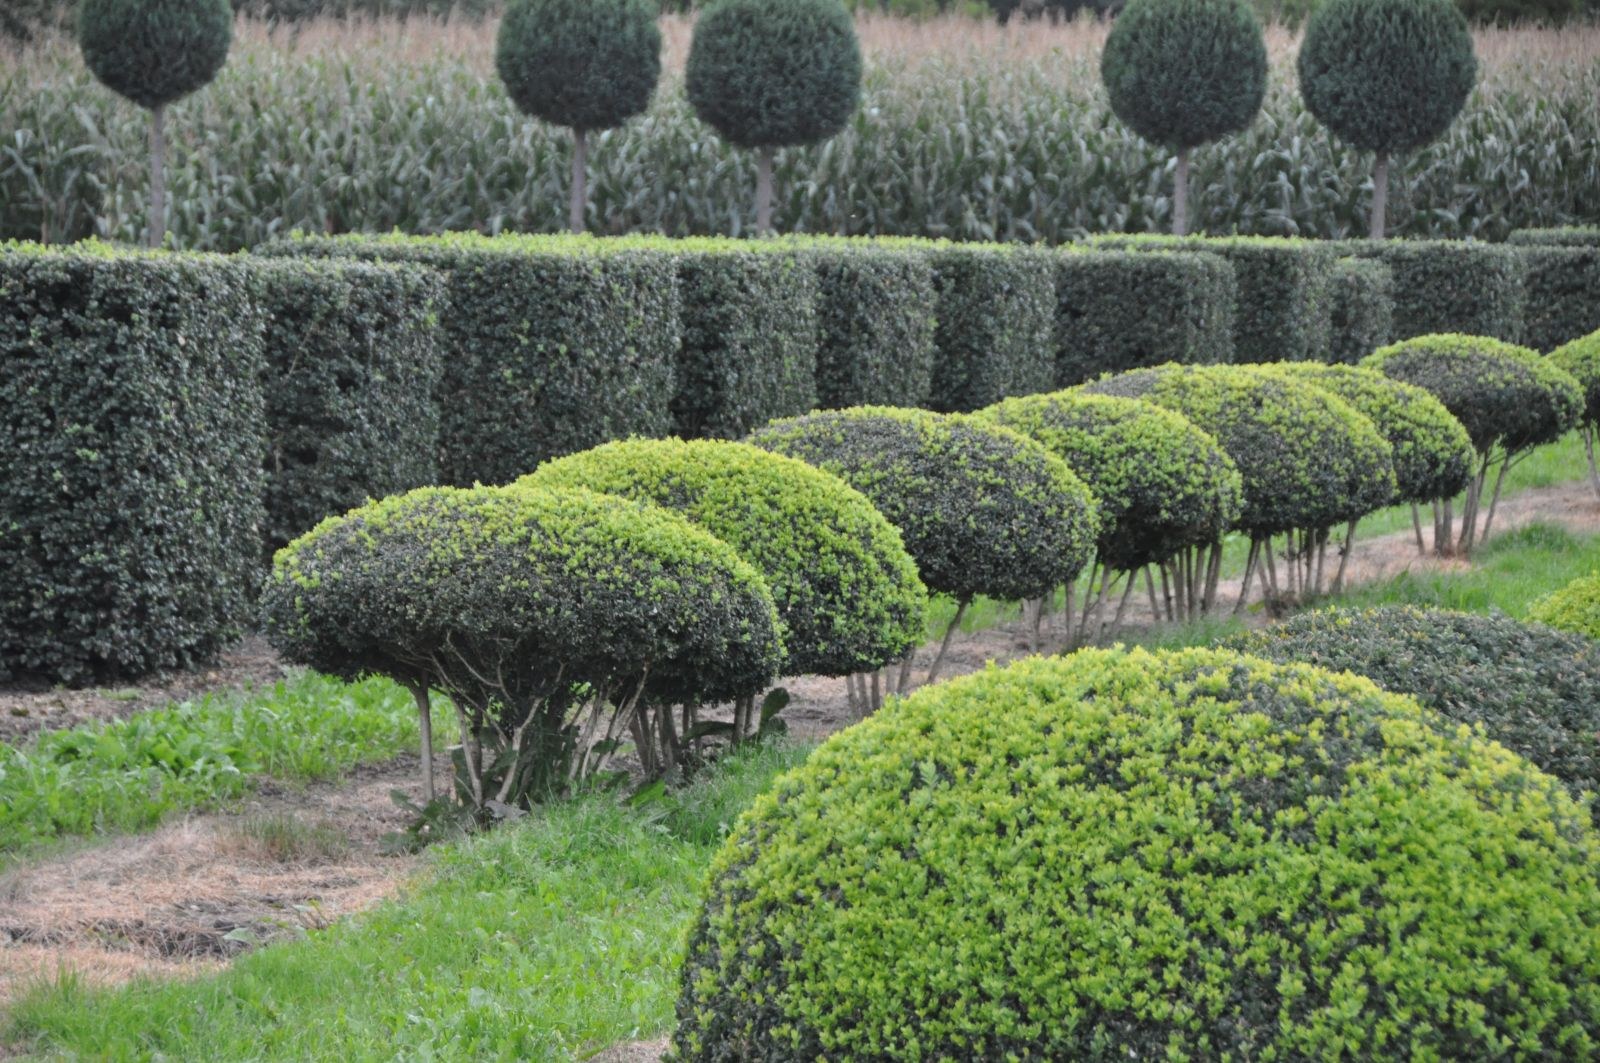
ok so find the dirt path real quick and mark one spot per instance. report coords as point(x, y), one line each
point(190, 896)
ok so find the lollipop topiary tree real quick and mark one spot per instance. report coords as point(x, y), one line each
point(767, 74)
point(1182, 73)
point(1581, 359)
point(584, 64)
point(1388, 76)
point(154, 52)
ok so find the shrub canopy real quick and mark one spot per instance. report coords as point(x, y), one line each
point(982, 509)
point(1575, 608)
point(1182, 73)
point(1308, 460)
point(1161, 483)
point(1120, 854)
point(1580, 360)
point(1386, 75)
point(847, 591)
point(155, 51)
point(584, 64)
point(773, 73)
point(1533, 690)
point(1503, 395)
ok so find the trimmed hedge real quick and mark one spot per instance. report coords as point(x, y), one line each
point(1575, 608)
point(1307, 458)
point(1284, 311)
point(1433, 455)
point(847, 592)
point(1120, 310)
point(1534, 690)
point(1580, 359)
point(1161, 483)
point(1126, 855)
point(553, 344)
point(1363, 309)
point(1563, 294)
point(353, 367)
point(1570, 236)
point(1450, 286)
point(131, 422)
point(983, 510)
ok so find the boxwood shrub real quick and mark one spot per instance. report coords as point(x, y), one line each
point(1307, 459)
point(1568, 236)
point(982, 509)
point(1432, 452)
point(1563, 294)
point(552, 343)
point(1161, 483)
point(1363, 308)
point(1183, 312)
point(1576, 608)
point(1285, 291)
point(1450, 286)
point(353, 366)
point(1580, 359)
point(1533, 690)
point(847, 591)
point(131, 422)
point(1126, 855)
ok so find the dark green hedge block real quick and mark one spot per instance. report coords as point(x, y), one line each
point(1563, 289)
point(131, 420)
point(552, 344)
point(1450, 286)
point(1570, 236)
point(1120, 310)
point(1363, 309)
point(1285, 301)
point(353, 368)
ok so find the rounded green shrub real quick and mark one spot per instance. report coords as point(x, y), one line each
point(1125, 855)
point(1386, 75)
point(1533, 690)
point(1182, 73)
point(982, 509)
point(583, 64)
point(1307, 459)
point(1503, 395)
point(1580, 360)
point(1162, 484)
point(1575, 607)
point(847, 592)
point(1432, 453)
point(155, 51)
point(773, 73)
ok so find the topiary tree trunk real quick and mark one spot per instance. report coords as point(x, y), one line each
point(157, 233)
point(580, 180)
point(1180, 196)
point(764, 192)
point(1380, 194)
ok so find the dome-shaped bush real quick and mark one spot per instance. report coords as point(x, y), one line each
point(505, 599)
point(1308, 459)
point(1580, 360)
point(1162, 484)
point(155, 51)
point(982, 510)
point(583, 64)
point(1123, 855)
point(1533, 690)
point(847, 591)
point(1576, 608)
point(1503, 395)
point(1432, 453)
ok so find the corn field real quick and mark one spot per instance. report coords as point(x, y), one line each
point(967, 130)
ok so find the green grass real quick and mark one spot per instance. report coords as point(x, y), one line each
point(130, 774)
point(546, 940)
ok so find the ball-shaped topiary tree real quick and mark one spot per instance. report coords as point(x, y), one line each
point(584, 64)
point(1509, 399)
point(1388, 76)
point(1533, 690)
point(1575, 608)
point(1182, 73)
point(154, 52)
point(1127, 855)
point(1580, 359)
point(767, 74)
point(553, 620)
point(982, 509)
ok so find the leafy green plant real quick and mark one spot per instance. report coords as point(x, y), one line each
point(1581, 359)
point(1575, 607)
point(1562, 284)
point(925, 862)
point(1363, 309)
point(1451, 286)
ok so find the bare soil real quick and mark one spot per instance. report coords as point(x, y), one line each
point(164, 904)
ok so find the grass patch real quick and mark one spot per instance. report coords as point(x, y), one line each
point(130, 774)
point(546, 940)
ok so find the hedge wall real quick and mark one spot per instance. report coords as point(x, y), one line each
point(1563, 290)
point(552, 344)
point(1363, 309)
point(1284, 311)
point(1571, 236)
point(352, 366)
point(130, 418)
point(1120, 310)
point(1450, 286)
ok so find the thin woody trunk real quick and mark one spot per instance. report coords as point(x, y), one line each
point(1180, 196)
point(157, 233)
point(419, 693)
point(580, 180)
point(764, 192)
point(1380, 193)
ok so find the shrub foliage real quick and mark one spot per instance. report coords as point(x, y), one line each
point(1363, 309)
point(154, 51)
point(1576, 608)
point(1451, 286)
point(583, 64)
